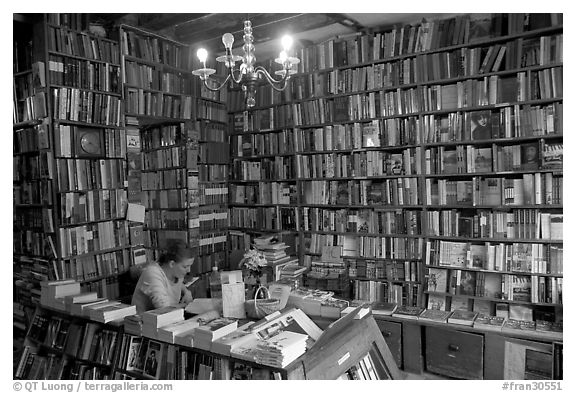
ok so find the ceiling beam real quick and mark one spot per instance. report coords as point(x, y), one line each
point(166, 21)
point(265, 27)
point(347, 21)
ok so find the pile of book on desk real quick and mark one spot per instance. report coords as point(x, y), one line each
point(276, 255)
point(66, 296)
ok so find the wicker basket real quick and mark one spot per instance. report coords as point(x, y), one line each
point(259, 308)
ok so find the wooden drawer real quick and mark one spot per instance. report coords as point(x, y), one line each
point(392, 332)
point(454, 354)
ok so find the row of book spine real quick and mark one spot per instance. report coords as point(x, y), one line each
point(33, 167)
point(494, 90)
point(33, 192)
point(385, 270)
point(86, 106)
point(496, 257)
point(402, 222)
point(146, 103)
point(90, 174)
point(417, 38)
point(146, 76)
point(475, 159)
point(93, 205)
point(275, 218)
point(368, 246)
point(94, 237)
point(463, 62)
point(91, 267)
point(515, 224)
point(83, 74)
point(154, 49)
point(164, 158)
point(509, 122)
point(83, 45)
point(529, 188)
point(382, 291)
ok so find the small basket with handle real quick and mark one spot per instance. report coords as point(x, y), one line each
point(259, 308)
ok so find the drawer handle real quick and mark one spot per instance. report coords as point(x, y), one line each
point(453, 347)
point(386, 334)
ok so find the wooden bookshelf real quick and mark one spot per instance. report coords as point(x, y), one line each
point(391, 114)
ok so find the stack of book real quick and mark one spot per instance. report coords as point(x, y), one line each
point(232, 340)
point(112, 312)
point(52, 293)
point(281, 349)
point(154, 319)
point(275, 253)
point(205, 334)
point(291, 271)
point(133, 324)
point(332, 308)
point(169, 332)
point(309, 300)
point(75, 304)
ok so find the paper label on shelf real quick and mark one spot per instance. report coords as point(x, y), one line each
point(343, 358)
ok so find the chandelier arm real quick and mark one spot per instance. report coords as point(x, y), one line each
point(232, 70)
point(217, 88)
point(273, 82)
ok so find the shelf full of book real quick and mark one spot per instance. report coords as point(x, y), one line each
point(159, 111)
point(402, 143)
point(34, 199)
point(79, 170)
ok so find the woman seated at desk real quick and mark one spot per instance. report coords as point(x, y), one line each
point(161, 283)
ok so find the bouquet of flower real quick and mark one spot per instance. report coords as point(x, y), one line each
point(253, 261)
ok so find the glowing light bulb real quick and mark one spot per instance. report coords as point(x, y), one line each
point(228, 40)
point(287, 42)
point(202, 55)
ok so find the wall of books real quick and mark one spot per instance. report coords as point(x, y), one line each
point(431, 154)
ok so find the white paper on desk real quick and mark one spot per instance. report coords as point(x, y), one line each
point(202, 305)
point(135, 213)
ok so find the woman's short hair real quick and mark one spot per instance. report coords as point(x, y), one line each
point(177, 251)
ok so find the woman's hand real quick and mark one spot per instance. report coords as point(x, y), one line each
point(186, 296)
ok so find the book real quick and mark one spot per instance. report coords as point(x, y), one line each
point(434, 315)
point(436, 301)
point(383, 308)
point(168, 332)
point(205, 334)
point(408, 312)
point(153, 359)
point(487, 322)
point(225, 344)
point(113, 312)
point(437, 280)
point(462, 317)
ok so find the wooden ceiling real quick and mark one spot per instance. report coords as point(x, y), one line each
point(207, 29)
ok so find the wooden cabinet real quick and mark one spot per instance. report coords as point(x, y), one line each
point(392, 333)
point(453, 353)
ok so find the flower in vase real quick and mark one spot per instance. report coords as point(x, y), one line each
point(253, 261)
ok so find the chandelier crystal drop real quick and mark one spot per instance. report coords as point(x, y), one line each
point(247, 73)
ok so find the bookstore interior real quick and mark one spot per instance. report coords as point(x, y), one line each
point(372, 196)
